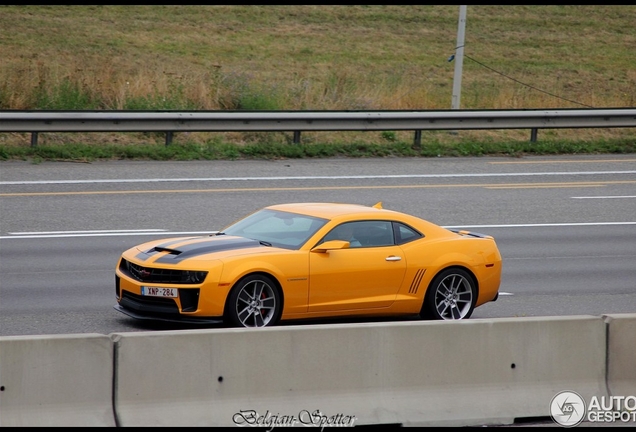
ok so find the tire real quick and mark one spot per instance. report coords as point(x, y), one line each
point(255, 301)
point(451, 296)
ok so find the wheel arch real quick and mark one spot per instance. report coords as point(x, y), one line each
point(472, 275)
point(277, 285)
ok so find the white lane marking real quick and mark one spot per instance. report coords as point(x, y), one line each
point(105, 234)
point(109, 233)
point(353, 177)
point(86, 232)
point(604, 197)
point(560, 161)
point(502, 293)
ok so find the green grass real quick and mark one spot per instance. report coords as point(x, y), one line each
point(314, 57)
point(276, 150)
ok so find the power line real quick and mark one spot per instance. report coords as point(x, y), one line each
point(524, 84)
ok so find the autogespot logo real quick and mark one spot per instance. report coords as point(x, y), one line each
point(567, 408)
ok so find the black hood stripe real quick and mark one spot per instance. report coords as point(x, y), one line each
point(143, 256)
point(215, 244)
point(170, 243)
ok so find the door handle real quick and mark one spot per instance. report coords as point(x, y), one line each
point(393, 258)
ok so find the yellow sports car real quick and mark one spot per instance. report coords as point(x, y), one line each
point(311, 260)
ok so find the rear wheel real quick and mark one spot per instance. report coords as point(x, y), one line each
point(254, 302)
point(451, 296)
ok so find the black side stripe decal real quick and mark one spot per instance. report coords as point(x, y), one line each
point(415, 283)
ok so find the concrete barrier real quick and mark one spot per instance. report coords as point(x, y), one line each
point(478, 371)
point(621, 354)
point(63, 380)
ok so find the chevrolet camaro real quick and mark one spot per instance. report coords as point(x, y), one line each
point(311, 260)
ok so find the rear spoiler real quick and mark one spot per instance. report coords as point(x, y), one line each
point(468, 233)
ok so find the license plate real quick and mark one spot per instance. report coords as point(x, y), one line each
point(159, 292)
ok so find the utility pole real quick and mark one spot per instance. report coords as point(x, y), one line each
point(459, 58)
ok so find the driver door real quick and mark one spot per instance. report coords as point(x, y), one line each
point(364, 277)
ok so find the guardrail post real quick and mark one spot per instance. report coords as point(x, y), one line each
point(168, 138)
point(34, 139)
point(533, 135)
point(417, 140)
point(296, 137)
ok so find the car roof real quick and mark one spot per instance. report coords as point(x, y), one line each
point(332, 210)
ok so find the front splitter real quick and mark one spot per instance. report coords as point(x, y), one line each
point(174, 319)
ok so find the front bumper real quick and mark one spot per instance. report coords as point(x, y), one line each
point(168, 317)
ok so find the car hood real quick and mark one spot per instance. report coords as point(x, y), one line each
point(176, 250)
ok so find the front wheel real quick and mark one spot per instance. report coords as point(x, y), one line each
point(451, 296)
point(254, 302)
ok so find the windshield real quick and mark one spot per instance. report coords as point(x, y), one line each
point(280, 229)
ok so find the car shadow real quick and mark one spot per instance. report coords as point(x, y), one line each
point(156, 325)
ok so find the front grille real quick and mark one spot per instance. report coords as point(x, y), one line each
point(158, 275)
point(159, 305)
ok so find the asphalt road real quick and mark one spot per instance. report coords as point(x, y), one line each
point(566, 225)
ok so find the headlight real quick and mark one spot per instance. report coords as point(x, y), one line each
point(193, 277)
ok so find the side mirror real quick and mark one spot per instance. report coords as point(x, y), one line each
point(331, 245)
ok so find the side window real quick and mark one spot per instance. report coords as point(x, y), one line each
point(363, 234)
point(346, 232)
point(374, 233)
point(404, 233)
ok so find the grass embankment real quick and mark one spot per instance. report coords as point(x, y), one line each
point(314, 58)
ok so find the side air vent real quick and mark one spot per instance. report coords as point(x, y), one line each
point(415, 283)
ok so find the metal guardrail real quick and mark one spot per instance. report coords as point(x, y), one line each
point(171, 122)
